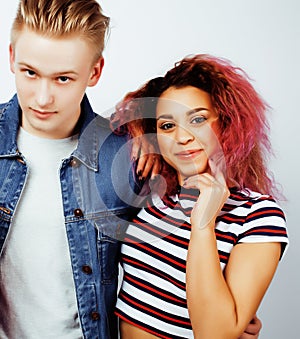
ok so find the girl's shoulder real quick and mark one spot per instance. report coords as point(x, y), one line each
point(250, 201)
point(251, 217)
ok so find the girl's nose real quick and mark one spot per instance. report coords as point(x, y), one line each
point(183, 136)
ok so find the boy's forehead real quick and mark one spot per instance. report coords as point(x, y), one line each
point(58, 53)
point(36, 37)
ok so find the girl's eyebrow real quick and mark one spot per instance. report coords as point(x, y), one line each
point(188, 113)
point(196, 110)
point(165, 116)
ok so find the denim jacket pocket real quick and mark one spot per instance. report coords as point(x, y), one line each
point(111, 229)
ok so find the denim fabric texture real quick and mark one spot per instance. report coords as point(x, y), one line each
point(98, 193)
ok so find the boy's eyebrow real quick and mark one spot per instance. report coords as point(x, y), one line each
point(189, 112)
point(26, 65)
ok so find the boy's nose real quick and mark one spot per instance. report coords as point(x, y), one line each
point(44, 95)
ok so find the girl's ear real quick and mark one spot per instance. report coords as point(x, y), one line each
point(96, 72)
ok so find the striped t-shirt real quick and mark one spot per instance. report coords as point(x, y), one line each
point(153, 293)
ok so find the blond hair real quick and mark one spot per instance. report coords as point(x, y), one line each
point(61, 18)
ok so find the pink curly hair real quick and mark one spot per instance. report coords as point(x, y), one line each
point(242, 115)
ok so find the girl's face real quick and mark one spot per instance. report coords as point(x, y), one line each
point(187, 125)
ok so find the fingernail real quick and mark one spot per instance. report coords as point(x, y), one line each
point(153, 178)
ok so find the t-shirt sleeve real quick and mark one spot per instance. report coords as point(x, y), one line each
point(265, 222)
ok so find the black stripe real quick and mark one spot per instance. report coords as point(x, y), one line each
point(157, 253)
point(139, 265)
point(138, 323)
point(154, 290)
point(155, 312)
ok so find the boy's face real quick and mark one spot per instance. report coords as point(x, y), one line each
point(51, 77)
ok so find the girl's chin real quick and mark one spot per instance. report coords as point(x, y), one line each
point(183, 176)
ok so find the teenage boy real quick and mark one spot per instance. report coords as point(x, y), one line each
point(60, 186)
point(66, 182)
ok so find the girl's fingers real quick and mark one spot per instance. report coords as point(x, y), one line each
point(218, 169)
point(199, 181)
point(135, 148)
point(156, 168)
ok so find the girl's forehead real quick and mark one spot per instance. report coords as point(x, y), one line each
point(184, 101)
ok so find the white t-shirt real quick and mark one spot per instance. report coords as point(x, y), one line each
point(37, 293)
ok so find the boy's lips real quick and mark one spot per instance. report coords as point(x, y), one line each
point(42, 114)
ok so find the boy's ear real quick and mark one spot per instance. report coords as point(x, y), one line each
point(12, 58)
point(96, 72)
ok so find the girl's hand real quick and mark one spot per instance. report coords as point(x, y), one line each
point(148, 159)
point(213, 194)
point(253, 329)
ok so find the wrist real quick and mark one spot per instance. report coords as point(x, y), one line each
point(203, 224)
point(202, 230)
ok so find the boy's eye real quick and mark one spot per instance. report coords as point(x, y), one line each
point(63, 79)
point(30, 73)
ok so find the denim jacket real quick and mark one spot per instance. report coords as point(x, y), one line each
point(98, 189)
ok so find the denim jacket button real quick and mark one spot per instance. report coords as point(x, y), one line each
point(87, 269)
point(4, 209)
point(74, 162)
point(21, 161)
point(78, 212)
point(95, 316)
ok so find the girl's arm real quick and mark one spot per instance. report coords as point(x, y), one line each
point(222, 305)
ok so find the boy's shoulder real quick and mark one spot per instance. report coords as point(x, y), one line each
point(2, 106)
point(13, 102)
point(102, 122)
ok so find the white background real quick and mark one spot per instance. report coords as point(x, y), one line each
point(262, 37)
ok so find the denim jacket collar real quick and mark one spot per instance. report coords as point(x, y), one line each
point(88, 145)
point(9, 119)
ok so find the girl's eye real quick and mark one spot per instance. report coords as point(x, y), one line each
point(198, 120)
point(166, 126)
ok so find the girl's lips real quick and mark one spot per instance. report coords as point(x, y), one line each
point(189, 154)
